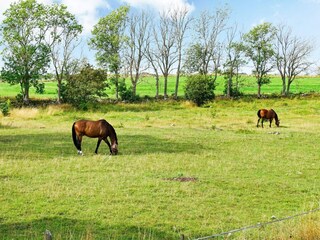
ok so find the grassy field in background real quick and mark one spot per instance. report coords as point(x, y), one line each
point(147, 87)
point(239, 174)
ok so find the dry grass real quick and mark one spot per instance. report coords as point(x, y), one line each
point(24, 113)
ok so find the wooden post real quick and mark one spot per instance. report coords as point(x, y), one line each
point(47, 235)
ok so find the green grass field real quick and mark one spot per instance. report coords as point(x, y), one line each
point(236, 174)
point(147, 87)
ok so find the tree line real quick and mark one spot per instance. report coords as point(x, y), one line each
point(129, 42)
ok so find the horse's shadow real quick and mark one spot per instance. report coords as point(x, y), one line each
point(44, 144)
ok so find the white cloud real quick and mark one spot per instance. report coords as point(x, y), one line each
point(86, 11)
point(161, 5)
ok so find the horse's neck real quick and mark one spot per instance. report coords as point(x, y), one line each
point(275, 116)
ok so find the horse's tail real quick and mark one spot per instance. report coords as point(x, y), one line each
point(74, 137)
point(258, 113)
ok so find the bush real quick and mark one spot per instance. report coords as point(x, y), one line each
point(199, 89)
point(126, 94)
point(85, 87)
point(234, 91)
point(5, 108)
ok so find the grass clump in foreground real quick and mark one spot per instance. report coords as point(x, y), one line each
point(241, 175)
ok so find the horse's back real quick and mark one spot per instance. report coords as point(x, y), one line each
point(264, 113)
point(91, 128)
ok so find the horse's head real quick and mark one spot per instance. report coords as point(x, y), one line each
point(114, 148)
point(278, 122)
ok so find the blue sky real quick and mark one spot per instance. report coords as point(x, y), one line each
point(303, 16)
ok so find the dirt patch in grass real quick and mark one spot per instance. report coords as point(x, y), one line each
point(182, 179)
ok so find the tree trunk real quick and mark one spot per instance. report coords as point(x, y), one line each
point(177, 86)
point(117, 84)
point(284, 87)
point(229, 87)
point(134, 83)
point(288, 88)
point(259, 90)
point(59, 91)
point(25, 92)
point(134, 89)
point(157, 85)
point(165, 92)
point(178, 75)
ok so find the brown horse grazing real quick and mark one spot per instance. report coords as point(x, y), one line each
point(267, 114)
point(100, 129)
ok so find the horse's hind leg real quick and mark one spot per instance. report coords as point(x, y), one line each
point(79, 138)
point(262, 122)
point(258, 122)
point(98, 144)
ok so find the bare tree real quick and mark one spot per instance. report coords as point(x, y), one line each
point(181, 21)
point(234, 60)
point(208, 28)
point(292, 55)
point(165, 40)
point(151, 56)
point(137, 46)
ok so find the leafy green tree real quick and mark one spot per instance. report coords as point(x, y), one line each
point(193, 63)
point(199, 88)
point(85, 87)
point(208, 27)
point(258, 47)
point(25, 54)
point(63, 38)
point(234, 59)
point(108, 38)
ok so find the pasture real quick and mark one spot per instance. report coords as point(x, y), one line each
point(146, 87)
point(180, 170)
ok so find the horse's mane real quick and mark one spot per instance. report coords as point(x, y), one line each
point(275, 114)
point(112, 129)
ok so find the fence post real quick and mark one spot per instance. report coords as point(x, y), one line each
point(47, 235)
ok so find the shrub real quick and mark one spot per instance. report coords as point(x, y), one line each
point(199, 89)
point(85, 87)
point(126, 94)
point(5, 107)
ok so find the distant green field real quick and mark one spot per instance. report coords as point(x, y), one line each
point(147, 87)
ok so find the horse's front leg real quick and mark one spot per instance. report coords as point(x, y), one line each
point(98, 144)
point(270, 122)
point(258, 122)
point(107, 142)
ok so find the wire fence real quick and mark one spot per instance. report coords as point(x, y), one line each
point(258, 225)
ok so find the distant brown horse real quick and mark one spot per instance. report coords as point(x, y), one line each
point(100, 129)
point(265, 114)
